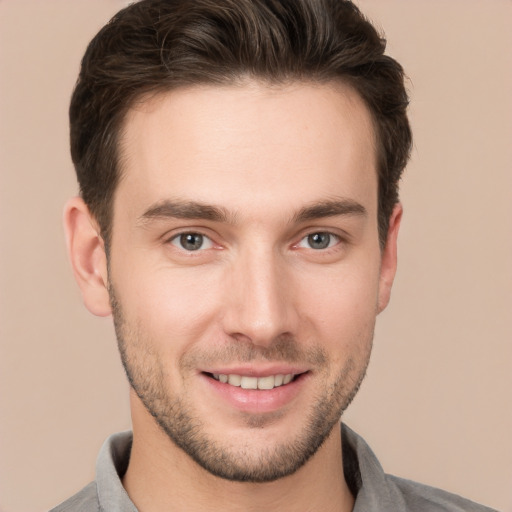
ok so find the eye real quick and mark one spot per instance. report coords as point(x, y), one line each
point(191, 241)
point(318, 241)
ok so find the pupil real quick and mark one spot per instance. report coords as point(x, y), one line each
point(319, 240)
point(191, 241)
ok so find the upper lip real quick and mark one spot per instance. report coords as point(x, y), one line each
point(257, 371)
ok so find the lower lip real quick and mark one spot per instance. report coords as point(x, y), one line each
point(257, 400)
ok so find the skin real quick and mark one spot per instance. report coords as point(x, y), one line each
point(274, 165)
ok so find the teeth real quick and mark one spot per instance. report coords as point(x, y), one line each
point(266, 382)
point(246, 382)
point(249, 383)
point(235, 380)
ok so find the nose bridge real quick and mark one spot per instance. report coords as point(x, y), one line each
point(260, 306)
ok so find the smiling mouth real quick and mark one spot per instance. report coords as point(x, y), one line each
point(250, 382)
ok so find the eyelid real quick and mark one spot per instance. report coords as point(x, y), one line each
point(175, 237)
point(338, 239)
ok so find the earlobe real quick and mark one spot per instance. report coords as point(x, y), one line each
point(389, 258)
point(86, 252)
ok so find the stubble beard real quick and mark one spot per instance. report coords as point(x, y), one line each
point(174, 415)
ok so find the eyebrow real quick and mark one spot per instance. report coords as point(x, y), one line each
point(330, 208)
point(186, 210)
point(197, 210)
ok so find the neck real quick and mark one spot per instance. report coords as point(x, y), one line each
point(161, 476)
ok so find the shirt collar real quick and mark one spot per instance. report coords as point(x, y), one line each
point(374, 492)
point(111, 466)
point(363, 473)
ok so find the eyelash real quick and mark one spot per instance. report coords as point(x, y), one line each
point(331, 238)
point(179, 239)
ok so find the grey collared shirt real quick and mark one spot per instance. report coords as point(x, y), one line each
point(374, 490)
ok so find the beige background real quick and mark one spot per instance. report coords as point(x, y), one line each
point(437, 404)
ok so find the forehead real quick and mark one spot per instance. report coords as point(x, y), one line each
point(247, 145)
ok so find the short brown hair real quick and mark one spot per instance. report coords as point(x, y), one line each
point(159, 45)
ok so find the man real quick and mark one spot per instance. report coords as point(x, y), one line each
point(238, 163)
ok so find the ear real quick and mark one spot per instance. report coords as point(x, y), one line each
point(86, 251)
point(389, 258)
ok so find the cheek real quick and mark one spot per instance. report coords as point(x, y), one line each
point(342, 304)
point(173, 307)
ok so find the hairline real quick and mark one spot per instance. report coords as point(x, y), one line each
point(144, 96)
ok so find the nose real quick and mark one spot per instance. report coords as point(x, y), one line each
point(259, 304)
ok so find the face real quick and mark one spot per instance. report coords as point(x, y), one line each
point(245, 271)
